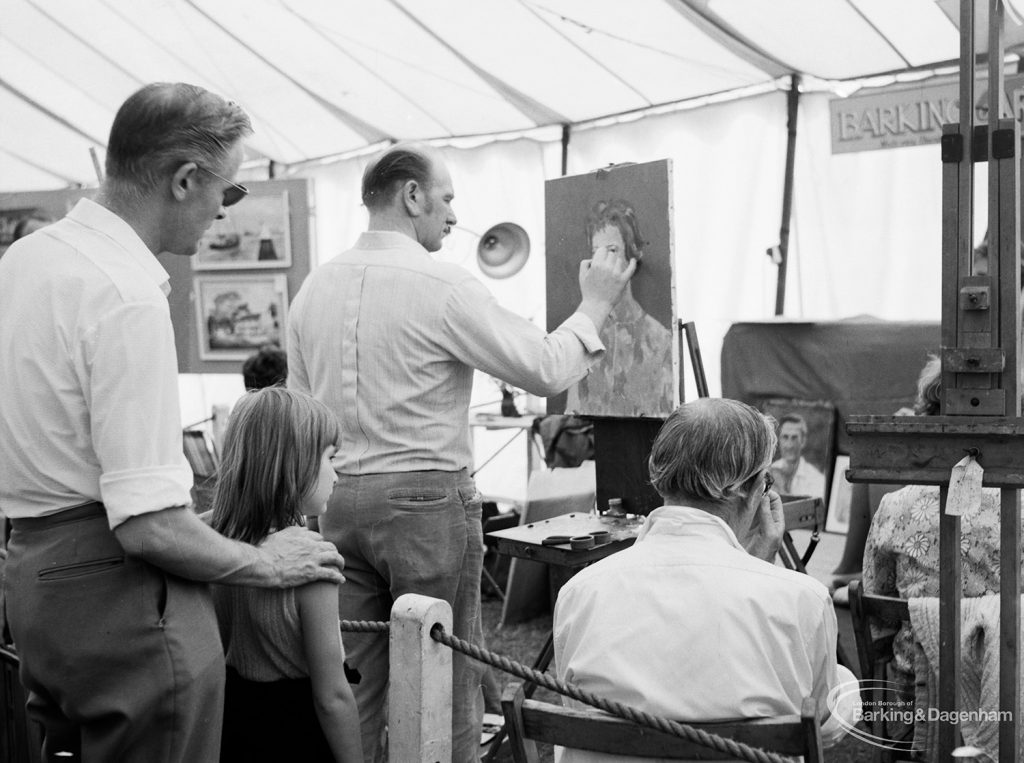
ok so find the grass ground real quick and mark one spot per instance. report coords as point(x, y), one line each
point(522, 642)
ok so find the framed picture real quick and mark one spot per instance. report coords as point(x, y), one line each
point(804, 456)
point(838, 518)
point(253, 234)
point(626, 212)
point(237, 314)
point(20, 221)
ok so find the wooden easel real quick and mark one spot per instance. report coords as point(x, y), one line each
point(621, 473)
point(980, 412)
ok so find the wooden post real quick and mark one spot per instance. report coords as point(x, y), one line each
point(950, 591)
point(420, 693)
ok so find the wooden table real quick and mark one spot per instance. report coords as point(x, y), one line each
point(526, 541)
point(516, 426)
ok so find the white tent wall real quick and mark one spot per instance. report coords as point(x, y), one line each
point(865, 235)
point(728, 163)
point(868, 226)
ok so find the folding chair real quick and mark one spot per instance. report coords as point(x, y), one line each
point(201, 458)
point(874, 654)
point(801, 514)
point(20, 739)
point(530, 721)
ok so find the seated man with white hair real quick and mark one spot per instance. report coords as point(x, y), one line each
point(694, 622)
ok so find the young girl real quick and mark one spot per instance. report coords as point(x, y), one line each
point(287, 697)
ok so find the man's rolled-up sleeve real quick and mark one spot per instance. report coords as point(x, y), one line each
point(499, 342)
point(130, 372)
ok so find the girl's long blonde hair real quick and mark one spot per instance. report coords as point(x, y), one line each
point(272, 449)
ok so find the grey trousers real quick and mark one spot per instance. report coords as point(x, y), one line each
point(414, 532)
point(115, 646)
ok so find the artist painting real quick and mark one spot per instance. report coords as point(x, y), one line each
point(636, 376)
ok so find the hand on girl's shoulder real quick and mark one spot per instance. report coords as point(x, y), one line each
point(301, 557)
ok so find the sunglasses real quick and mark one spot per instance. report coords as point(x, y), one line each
point(234, 193)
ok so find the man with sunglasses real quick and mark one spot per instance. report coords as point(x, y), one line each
point(720, 631)
point(105, 579)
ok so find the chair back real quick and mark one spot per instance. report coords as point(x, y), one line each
point(800, 514)
point(529, 721)
point(873, 653)
point(198, 453)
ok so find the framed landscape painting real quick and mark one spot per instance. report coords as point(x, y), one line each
point(238, 314)
point(255, 233)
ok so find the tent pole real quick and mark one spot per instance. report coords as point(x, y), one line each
point(566, 131)
point(792, 104)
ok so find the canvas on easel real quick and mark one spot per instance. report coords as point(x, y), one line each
point(625, 210)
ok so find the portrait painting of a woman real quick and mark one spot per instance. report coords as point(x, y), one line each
point(635, 376)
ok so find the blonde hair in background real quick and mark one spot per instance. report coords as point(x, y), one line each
point(272, 449)
point(929, 388)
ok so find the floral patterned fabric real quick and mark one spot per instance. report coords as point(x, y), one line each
point(901, 556)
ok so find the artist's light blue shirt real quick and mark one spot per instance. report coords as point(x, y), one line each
point(388, 338)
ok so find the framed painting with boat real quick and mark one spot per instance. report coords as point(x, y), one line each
point(253, 234)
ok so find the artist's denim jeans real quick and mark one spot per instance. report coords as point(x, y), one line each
point(413, 532)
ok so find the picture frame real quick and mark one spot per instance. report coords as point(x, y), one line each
point(11, 218)
point(803, 466)
point(838, 518)
point(238, 314)
point(254, 234)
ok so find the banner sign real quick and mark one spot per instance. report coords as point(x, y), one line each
point(910, 115)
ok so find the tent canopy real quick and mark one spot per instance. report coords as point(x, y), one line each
point(329, 79)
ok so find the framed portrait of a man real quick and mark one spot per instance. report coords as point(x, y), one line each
point(803, 460)
point(625, 210)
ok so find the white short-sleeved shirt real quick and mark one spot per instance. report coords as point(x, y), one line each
point(89, 404)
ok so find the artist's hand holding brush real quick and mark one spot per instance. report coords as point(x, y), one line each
point(602, 280)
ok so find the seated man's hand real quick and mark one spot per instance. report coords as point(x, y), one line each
point(766, 528)
point(301, 557)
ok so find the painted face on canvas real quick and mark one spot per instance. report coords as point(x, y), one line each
point(791, 440)
point(314, 503)
point(608, 238)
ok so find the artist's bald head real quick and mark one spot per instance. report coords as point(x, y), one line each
point(408, 189)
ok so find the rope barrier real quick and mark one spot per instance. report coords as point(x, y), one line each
point(682, 730)
point(364, 626)
point(701, 737)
